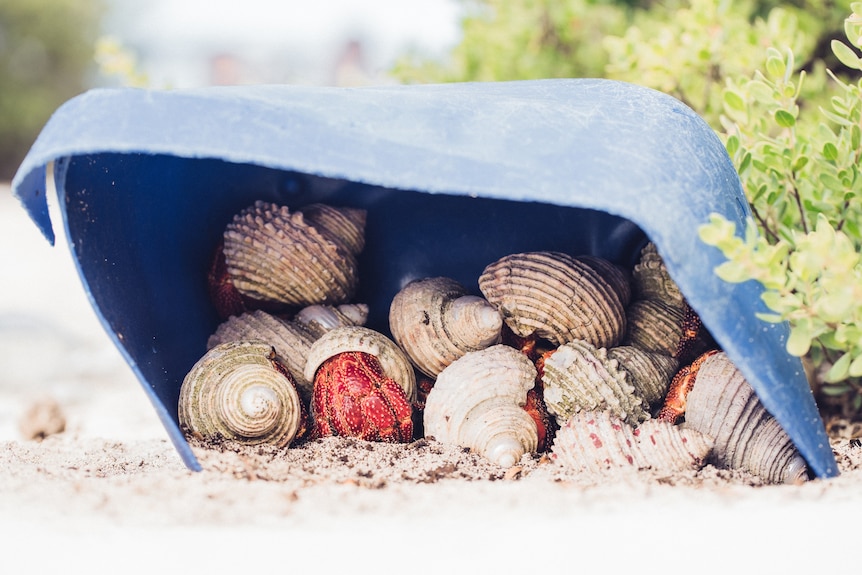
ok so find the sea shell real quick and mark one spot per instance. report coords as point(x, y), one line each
point(238, 391)
point(319, 319)
point(649, 373)
point(554, 296)
point(578, 376)
point(617, 276)
point(478, 402)
point(651, 280)
point(395, 363)
point(654, 326)
point(594, 441)
point(343, 225)
point(274, 255)
point(436, 321)
point(724, 406)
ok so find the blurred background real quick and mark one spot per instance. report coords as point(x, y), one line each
point(703, 52)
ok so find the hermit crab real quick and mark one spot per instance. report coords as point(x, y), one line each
point(364, 386)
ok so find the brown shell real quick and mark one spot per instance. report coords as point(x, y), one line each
point(654, 326)
point(555, 297)
point(650, 373)
point(651, 280)
point(274, 255)
point(594, 441)
point(478, 402)
point(723, 405)
point(617, 276)
point(436, 321)
point(577, 376)
point(237, 392)
point(344, 225)
point(319, 319)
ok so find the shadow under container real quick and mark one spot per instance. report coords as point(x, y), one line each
point(452, 176)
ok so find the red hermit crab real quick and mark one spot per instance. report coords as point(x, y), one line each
point(364, 386)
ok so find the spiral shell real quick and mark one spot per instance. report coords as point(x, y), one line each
point(651, 280)
point(237, 391)
point(723, 405)
point(273, 255)
point(291, 339)
point(346, 226)
point(555, 297)
point(578, 376)
point(594, 441)
point(394, 362)
point(649, 373)
point(477, 402)
point(436, 321)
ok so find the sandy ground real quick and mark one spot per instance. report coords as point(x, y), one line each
point(110, 493)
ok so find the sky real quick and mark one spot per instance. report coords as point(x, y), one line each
point(293, 41)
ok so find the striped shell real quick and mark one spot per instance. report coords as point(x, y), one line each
point(435, 321)
point(291, 339)
point(595, 441)
point(577, 376)
point(275, 255)
point(651, 279)
point(649, 373)
point(654, 326)
point(724, 406)
point(238, 392)
point(395, 363)
point(477, 402)
point(617, 277)
point(555, 297)
point(345, 226)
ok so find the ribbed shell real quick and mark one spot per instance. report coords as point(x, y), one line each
point(275, 255)
point(395, 363)
point(477, 402)
point(344, 225)
point(724, 406)
point(436, 321)
point(650, 373)
point(234, 392)
point(580, 377)
point(291, 339)
point(651, 280)
point(617, 277)
point(554, 296)
point(654, 326)
point(594, 441)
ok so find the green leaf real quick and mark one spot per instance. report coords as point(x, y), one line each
point(839, 370)
point(769, 317)
point(799, 341)
point(855, 367)
point(775, 66)
point(732, 272)
point(732, 145)
point(835, 390)
point(830, 151)
point(761, 92)
point(855, 137)
point(831, 182)
point(734, 100)
point(784, 119)
point(846, 55)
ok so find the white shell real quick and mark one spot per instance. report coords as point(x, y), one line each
point(435, 322)
point(723, 405)
point(392, 359)
point(477, 402)
point(595, 441)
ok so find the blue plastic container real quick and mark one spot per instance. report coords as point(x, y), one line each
point(453, 177)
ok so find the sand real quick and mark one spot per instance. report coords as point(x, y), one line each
point(109, 492)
